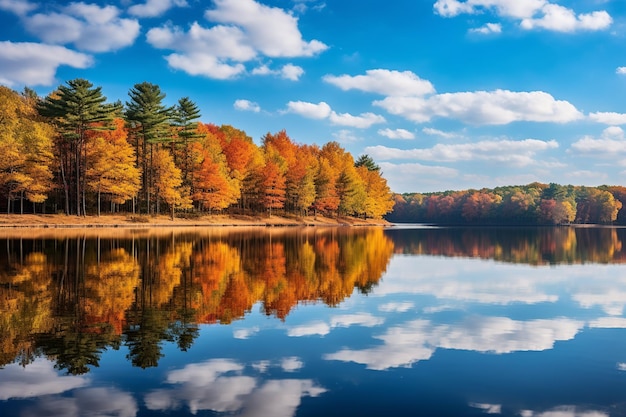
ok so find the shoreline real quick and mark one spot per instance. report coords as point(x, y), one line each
point(121, 221)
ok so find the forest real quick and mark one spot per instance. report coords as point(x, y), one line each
point(73, 152)
point(532, 204)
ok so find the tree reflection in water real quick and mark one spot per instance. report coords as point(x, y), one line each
point(71, 298)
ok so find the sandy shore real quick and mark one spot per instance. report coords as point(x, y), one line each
point(130, 221)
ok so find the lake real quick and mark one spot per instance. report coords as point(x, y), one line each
point(313, 321)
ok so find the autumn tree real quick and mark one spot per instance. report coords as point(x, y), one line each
point(273, 187)
point(379, 199)
point(112, 169)
point(168, 181)
point(214, 188)
point(26, 144)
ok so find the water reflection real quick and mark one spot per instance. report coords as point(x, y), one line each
point(73, 298)
point(533, 246)
point(333, 322)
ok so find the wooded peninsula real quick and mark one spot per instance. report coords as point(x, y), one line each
point(74, 153)
point(532, 204)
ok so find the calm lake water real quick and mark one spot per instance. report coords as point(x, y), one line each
point(273, 322)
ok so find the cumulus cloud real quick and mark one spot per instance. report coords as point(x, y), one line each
point(396, 133)
point(362, 121)
point(436, 132)
point(310, 329)
point(564, 411)
point(384, 82)
point(483, 107)
point(243, 31)
point(25, 63)
point(291, 364)
point(610, 143)
point(359, 319)
point(154, 8)
point(90, 402)
point(608, 118)
point(417, 340)
point(287, 72)
point(18, 7)
point(291, 72)
point(394, 307)
point(488, 28)
point(89, 27)
point(319, 111)
point(245, 333)
point(561, 19)
point(322, 111)
point(532, 14)
point(345, 136)
point(519, 153)
point(620, 70)
point(218, 386)
point(37, 379)
point(246, 105)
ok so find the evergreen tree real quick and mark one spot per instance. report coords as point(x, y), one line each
point(75, 109)
point(148, 119)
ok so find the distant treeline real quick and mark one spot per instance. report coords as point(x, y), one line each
point(532, 204)
point(72, 152)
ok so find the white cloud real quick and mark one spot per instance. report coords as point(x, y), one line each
point(244, 30)
point(154, 8)
point(437, 132)
point(25, 63)
point(562, 19)
point(270, 30)
point(246, 105)
point(245, 333)
point(205, 65)
point(531, 13)
point(309, 110)
point(608, 118)
point(291, 364)
point(310, 329)
point(620, 70)
point(520, 153)
point(291, 72)
point(396, 133)
point(488, 28)
point(345, 136)
point(37, 379)
point(396, 307)
point(516, 9)
point(217, 385)
point(360, 319)
point(564, 411)
point(287, 72)
point(384, 82)
point(322, 111)
point(610, 143)
point(483, 107)
point(86, 402)
point(362, 121)
point(417, 340)
point(488, 408)
point(19, 7)
point(87, 26)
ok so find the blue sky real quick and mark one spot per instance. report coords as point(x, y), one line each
point(443, 94)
